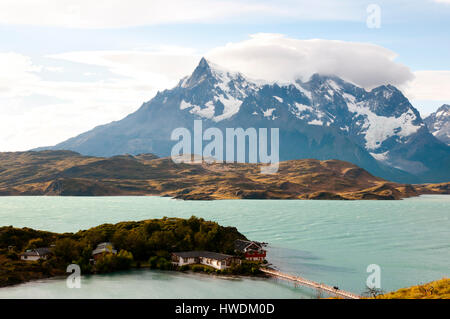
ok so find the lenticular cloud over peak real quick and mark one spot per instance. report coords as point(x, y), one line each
point(275, 57)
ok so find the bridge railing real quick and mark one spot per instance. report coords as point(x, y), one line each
point(310, 283)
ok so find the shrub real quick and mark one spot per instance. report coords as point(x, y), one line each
point(35, 243)
point(12, 255)
point(184, 268)
point(197, 268)
point(110, 262)
point(162, 263)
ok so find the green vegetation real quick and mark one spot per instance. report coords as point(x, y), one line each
point(122, 261)
point(146, 243)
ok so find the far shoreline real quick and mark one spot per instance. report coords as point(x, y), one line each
point(219, 199)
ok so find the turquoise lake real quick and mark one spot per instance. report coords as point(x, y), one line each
point(326, 241)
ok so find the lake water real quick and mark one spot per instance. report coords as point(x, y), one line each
point(326, 241)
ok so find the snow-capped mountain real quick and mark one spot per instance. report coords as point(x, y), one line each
point(324, 118)
point(215, 94)
point(439, 123)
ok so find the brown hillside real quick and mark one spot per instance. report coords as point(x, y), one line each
point(71, 174)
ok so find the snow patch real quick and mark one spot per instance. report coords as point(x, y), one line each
point(379, 128)
point(303, 90)
point(231, 89)
point(279, 99)
point(302, 107)
point(231, 107)
point(380, 156)
point(315, 122)
point(333, 85)
point(441, 113)
point(268, 112)
point(185, 105)
point(207, 112)
point(387, 94)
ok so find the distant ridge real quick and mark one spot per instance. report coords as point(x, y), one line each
point(65, 173)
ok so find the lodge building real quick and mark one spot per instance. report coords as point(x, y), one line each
point(103, 249)
point(35, 254)
point(208, 258)
point(251, 250)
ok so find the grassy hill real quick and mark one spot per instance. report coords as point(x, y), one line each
point(439, 289)
point(68, 173)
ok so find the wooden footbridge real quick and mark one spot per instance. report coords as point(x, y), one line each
point(311, 284)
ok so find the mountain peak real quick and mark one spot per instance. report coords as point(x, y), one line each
point(444, 107)
point(201, 74)
point(203, 63)
point(211, 74)
point(442, 113)
point(438, 123)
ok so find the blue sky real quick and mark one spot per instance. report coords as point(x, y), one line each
point(71, 65)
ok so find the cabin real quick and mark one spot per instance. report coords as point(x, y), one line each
point(252, 250)
point(103, 249)
point(215, 260)
point(36, 254)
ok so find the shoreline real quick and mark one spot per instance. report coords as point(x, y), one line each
point(27, 254)
point(420, 291)
point(226, 198)
point(186, 272)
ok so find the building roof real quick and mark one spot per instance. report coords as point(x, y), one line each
point(105, 244)
point(204, 254)
point(43, 251)
point(241, 245)
point(104, 248)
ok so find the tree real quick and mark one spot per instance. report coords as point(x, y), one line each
point(124, 259)
point(108, 263)
point(157, 262)
point(373, 292)
point(67, 250)
point(152, 226)
point(35, 243)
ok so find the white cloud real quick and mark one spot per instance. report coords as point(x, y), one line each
point(429, 85)
point(119, 13)
point(160, 69)
point(17, 74)
point(130, 13)
point(36, 112)
point(271, 57)
point(276, 57)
